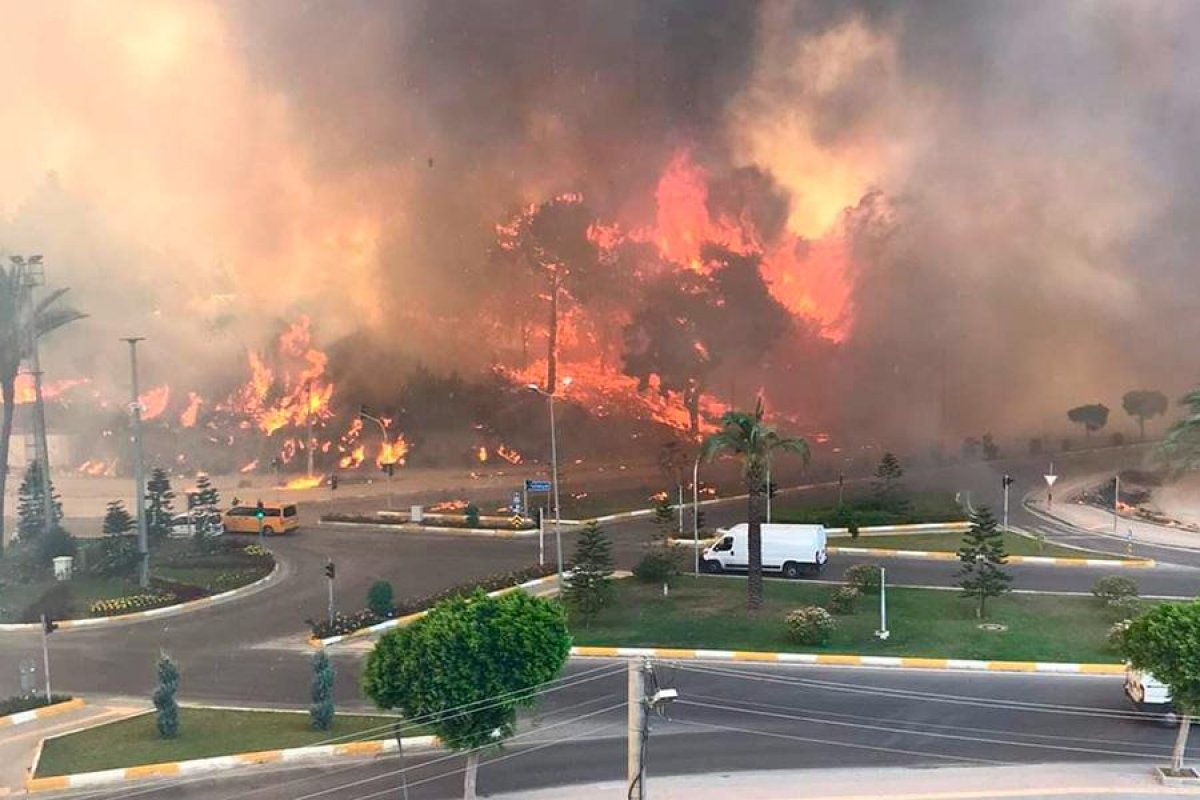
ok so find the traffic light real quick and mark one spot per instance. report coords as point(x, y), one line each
point(389, 468)
point(330, 571)
point(259, 511)
point(333, 481)
point(49, 626)
point(1007, 481)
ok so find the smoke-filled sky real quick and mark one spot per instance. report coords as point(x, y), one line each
point(1011, 188)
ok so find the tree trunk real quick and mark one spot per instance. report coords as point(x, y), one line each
point(1185, 724)
point(552, 343)
point(754, 573)
point(398, 732)
point(9, 390)
point(470, 774)
point(1141, 429)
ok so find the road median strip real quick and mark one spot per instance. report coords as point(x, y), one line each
point(849, 660)
point(177, 608)
point(22, 717)
point(363, 749)
point(937, 555)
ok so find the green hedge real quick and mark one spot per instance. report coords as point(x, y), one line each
point(27, 702)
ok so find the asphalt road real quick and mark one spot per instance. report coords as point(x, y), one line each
point(751, 717)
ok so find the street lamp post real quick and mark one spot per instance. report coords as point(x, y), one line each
point(696, 515)
point(139, 466)
point(533, 387)
point(389, 467)
point(30, 270)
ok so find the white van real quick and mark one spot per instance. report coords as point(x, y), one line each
point(791, 550)
point(1148, 694)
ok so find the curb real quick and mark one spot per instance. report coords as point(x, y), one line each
point(21, 717)
point(408, 527)
point(839, 660)
point(80, 780)
point(934, 555)
point(388, 624)
point(91, 622)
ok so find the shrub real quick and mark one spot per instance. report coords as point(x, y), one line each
point(1112, 587)
point(843, 599)
point(57, 602)
point(379, 599)
point(1125, 608)
point(471, 513)
point(320, 712)
point(166, 709)
point(810, 625)
point(864, 577)
point(348, 623)
point(1116, 634)
point(27, 702)
point(256, 550)
point(57, 543)
point(657, 566)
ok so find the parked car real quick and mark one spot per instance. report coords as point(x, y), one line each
point(790, 550)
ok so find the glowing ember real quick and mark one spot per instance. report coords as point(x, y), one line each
point(249, 467)
point(448, 506)
point(303, 483)
point(508, 454)
point(354, 458)
point(481, 454)
point(188, 418)
point(97, 468)
point(154, 401)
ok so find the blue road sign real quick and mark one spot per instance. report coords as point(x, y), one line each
point(537, 486)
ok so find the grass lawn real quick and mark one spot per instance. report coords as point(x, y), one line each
point(710, 613)
point(921, 507)
point(202, 733)
point(1016, 544)
point(16, 597)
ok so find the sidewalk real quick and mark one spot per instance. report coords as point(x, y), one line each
point(943, 783)
point(1100, 521)
point(18, 745)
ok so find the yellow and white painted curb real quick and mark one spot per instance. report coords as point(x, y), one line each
point(386, 625)
point(934, 555)
point(21, 717)
point(178, 608)
point(415, 528)
point(170, 769)
point(840, 660)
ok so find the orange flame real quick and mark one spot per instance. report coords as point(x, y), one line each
point(448, 506)
point(188, 418)
point(25, 393)
point(303, 483)
point(354, 458)
point(97, 468)
point(508, 454)
point(154, 401)
point(392, 452)
point(249, 466)
point(481, 454)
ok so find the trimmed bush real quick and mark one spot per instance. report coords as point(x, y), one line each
point(1125, 608)
point(27, 702)
point(1112, 587)
point(810, 625)
point(843, 599)
point(379, 599)
point(657, 566)
point(471, 514)
point(866, 578)
point(1116, 634)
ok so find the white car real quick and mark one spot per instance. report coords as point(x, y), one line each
point(1149, 695)
point(183, 526)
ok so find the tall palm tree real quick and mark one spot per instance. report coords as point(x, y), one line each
point(750, 439)
point(21, 323)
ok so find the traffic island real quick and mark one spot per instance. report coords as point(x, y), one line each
point(1178, 779)
point(209, 739)
point(709, 613)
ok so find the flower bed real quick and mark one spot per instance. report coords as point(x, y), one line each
point(129, 604)
point(348, 623)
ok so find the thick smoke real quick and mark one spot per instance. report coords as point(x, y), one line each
point(1011, 185)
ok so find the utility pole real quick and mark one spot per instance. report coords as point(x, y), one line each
point(696, 516)
point(1116, 502)
point(1006, 481)
point(635, 756)
point(533, 387)
point(48, 627)
point(768, 491)
point(308, 446)
point(139, 467)
point(841, 485)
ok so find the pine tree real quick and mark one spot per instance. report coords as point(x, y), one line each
point(117, 520)
point(664, 518)
point(983, 558)
point(887, 482)
point(118, 550)
point(321, 710)
point(166, 709)
point(589, 585)
point(206, 512)
point(159, 498)
point(31, 505)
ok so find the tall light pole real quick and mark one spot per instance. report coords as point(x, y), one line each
point(308, 444)
point(139, 467)
point(1006, 481)
point(533, 387)
point(696, 515)
point(389, 467)
point(32, 276)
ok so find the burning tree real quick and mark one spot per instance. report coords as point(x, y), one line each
point(552, 239)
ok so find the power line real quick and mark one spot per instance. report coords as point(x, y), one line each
point(909, 694)
point(565, 682)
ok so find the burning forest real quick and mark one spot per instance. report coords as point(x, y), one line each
point(678, 206)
